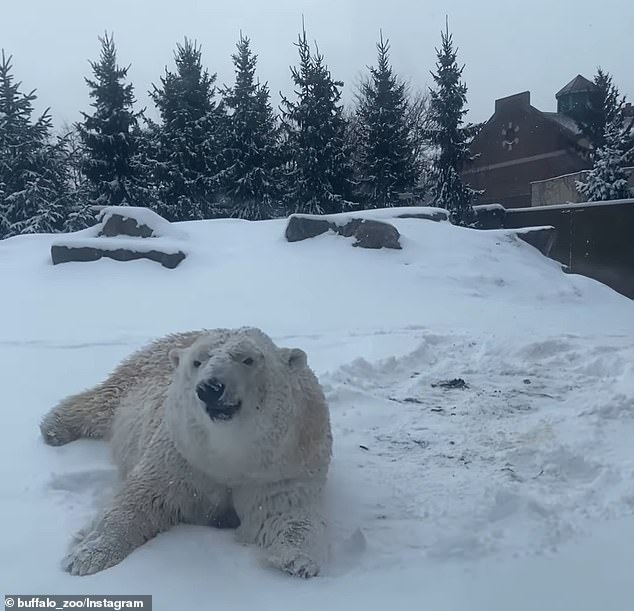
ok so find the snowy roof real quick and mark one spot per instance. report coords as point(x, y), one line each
point(564, 121)
point(577, 84)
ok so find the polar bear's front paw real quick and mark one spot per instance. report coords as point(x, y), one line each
point(295, 563)
point(92, 552)
point(54, 431)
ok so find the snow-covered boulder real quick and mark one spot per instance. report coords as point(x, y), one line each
point(368, 233)
point(124, 233)
point(374, 234)
point(369, 227)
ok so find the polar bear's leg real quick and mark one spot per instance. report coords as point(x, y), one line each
point(137, 513)
point(290, 542)
point(287, 526)
point(86, 414)
point(155, 496)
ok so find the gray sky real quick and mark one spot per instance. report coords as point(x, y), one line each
point(508, 46)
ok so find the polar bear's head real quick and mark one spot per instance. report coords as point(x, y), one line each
point(228, 374)
point(231, 400)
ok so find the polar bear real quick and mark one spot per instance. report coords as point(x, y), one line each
point(213, 427)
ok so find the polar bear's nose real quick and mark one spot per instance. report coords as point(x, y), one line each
point(210, 391)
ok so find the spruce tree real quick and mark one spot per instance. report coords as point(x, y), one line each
point(147, 168)
point(183, 153)
point(107, 134)
point(33, 183)
point(251, 153)
point(387, 164)
point(418, 122)
point(319, 170)
point(606, 106)
point(449, 136)
point(73, 157)
point(607, 180)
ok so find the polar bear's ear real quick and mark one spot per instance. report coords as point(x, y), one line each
point(175, 356)
point(295, 358)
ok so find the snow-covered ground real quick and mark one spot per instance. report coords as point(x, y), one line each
point(513, 491)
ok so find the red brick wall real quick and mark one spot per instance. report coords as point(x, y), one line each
point(543, 150)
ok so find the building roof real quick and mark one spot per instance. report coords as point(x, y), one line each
point(563, 120)
point(576, 85)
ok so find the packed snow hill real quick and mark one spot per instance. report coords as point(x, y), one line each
point(481, 399)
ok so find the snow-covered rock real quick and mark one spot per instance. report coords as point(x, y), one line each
point(123, 233)
point(369, 227)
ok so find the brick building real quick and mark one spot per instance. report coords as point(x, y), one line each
point(520, 144)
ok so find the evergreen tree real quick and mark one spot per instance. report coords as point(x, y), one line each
point(607, 180)
point(319, 163)
point(183, 154)
point(73, 156)
point(387, 163)
point(107, 134)
point(606, 106)
point(418, 123)
point(252, 154)
point(449, 136)
point(33, 183)
point(147, 168)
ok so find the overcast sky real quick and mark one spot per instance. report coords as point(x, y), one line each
point(508, 46)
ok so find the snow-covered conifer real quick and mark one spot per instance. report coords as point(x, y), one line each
point(386, 158)
point(319, 168)
point(182, 154)
point(449, 137)
point(251, 156)
point(34, 194)
point(607, 180)
point(108, 133)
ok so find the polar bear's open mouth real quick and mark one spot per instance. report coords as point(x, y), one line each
point(222, 411)
point(212, 394)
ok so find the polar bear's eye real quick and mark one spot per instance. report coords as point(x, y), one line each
point(248, 361)
point(196, 363)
